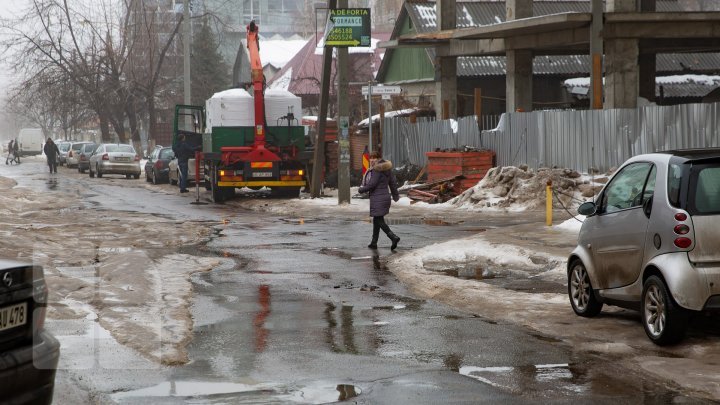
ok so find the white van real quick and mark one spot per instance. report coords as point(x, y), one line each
point(30, 141)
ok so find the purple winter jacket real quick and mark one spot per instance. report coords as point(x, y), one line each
point(381, 183)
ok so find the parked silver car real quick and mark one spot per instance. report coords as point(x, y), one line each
point(114, 158)
point(650, 242)
point(63, 147)
point(73, 154)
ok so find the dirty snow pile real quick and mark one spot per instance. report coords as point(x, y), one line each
point(522, 188)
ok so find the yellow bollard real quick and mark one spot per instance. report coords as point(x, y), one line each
point(548, 203)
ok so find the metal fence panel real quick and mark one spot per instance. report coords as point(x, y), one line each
point(579, 140)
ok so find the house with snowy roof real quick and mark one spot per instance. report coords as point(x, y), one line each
point(681, 77)
point(302, 74)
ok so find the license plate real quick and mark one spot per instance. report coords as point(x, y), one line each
point(262, 174)
point(13, 316)
point(122, 159)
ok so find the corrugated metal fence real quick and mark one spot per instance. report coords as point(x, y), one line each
point(573, 139)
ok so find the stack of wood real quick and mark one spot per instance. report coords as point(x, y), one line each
point(438, 191)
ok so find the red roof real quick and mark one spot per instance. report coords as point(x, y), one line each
point(306, 66)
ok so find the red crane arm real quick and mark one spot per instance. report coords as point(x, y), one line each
point(256, 73)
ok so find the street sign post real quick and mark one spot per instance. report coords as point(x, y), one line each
point(348, 27)
point(382, 90)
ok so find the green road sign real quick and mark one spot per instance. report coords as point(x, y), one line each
point(348, 27)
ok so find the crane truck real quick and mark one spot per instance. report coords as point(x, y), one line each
point(254, 156)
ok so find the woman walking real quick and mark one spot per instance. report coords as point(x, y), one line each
point(380, 182)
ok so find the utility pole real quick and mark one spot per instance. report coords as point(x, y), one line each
point(319, 156)
point(186, 51)
point(343, 122)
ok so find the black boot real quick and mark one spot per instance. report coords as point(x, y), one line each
point(395, 239)
point(373, 244)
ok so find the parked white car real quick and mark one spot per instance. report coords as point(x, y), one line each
point(174, 171)
point(114, 158)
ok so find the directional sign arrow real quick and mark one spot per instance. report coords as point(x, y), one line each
point(354, 42)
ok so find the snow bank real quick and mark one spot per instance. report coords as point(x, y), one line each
point(512, 188)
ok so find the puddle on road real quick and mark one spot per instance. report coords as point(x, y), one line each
point(420, 221)
point(319, 393)
point(498, 276)
point(52, 184)
point(587, 379)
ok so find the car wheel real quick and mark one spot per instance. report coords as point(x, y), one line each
point(154, 178)
point(582, 297)
point(136, 176)
point(664, 321)
point(174, 181)
point(147, 176)
point(90, 172)
point(99, 173)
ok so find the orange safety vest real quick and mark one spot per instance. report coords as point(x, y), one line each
point(365, 162)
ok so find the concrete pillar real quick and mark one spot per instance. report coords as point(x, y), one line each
point(445, 67)
point(596, 56)
point(519, 73)
point(647, 5)
point(646, 85)
point(515, 9)
point(647, 61)
point(518, 81)
point(621, 69)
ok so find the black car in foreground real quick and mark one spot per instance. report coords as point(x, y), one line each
point(28, 353)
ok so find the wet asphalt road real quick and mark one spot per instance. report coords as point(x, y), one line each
point(309, 315)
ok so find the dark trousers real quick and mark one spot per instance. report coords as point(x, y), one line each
point(183, 174)
point(378, 224)
point(53, 165)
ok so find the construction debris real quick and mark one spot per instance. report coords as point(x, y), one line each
point(438, 191)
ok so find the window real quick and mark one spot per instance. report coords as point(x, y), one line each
point(674, 182)
point(626, 189)
point(706, 196)
point(166, 154)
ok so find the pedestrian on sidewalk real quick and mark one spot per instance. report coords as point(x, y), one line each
point(380, 182)
point(16, 151)
point(10, 156)
point(51, 154)
point(183, 152)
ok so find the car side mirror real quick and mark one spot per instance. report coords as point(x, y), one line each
point(587, 208)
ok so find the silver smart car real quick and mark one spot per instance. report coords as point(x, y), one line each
point(651, 242)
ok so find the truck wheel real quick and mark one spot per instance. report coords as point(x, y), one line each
point(218, 195)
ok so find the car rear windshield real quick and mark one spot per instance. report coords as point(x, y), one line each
point(166, 154)
point(120, 148)
point(89, 147)
point(77, 146)
point(63, 147)
point(704, 196)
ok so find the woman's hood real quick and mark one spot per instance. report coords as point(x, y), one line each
point(383, 166)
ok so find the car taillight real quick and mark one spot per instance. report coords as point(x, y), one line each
point(137, 158)
point(681, 229)
point(70, 154)
point(105, 157)
point(158, 164)
point(683, 242)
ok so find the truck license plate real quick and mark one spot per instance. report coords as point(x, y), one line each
point(13, 316)
point(262, 174)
